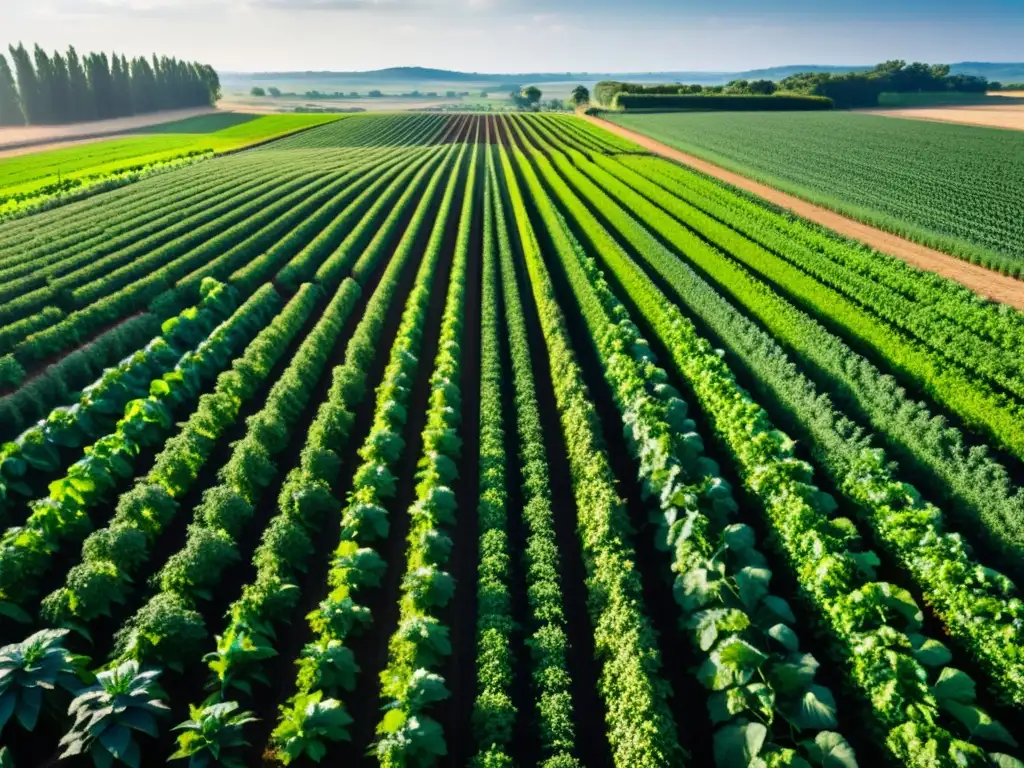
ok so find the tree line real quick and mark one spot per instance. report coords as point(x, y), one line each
point(854, 89)
point(862, 89)
point(67, 88)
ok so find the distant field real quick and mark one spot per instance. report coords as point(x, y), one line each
point(27, 179)
point(950, 98)
point(953, 187)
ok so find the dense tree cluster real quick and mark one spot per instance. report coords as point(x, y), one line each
point(67, 88)
point(854, 89)
point(862, 89)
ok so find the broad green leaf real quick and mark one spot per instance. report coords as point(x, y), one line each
point(739, 537)
point(793, 675)
point(753, 585)
point(741, 653)
point(930, 652)
point(737, 746)
point(780, 608)
point(785, 637)
point(816, 710)
point(979, 723)
point(954, 685)
point(830, 750)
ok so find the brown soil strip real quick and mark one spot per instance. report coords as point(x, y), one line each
point(982, 281)
point(59, 144)
point(45, 136)
point(986, 116)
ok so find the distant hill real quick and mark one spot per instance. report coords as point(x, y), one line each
point(411, 76)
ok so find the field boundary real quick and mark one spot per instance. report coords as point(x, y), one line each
point(63, 135)
point(981, 280)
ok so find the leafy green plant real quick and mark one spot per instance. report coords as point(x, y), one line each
point(211, 734)
point(306, 723)
point(106, 716)
point(30, 671)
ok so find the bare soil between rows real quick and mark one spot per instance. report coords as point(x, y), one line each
point(982, 281)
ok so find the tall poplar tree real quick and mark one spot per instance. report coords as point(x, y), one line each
point(62, 108)
point(83, 106)
point(10, 102)
point(44, 78)
point(28, 84)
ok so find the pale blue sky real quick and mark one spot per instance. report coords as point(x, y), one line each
point(527, 35)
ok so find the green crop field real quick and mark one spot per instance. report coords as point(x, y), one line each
point(420, 440)
point(956, 188)
point(28, 178)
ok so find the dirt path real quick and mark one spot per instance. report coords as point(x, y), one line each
point(41, 137)
point(33, 149)
point(986, 116)
point(982, 281)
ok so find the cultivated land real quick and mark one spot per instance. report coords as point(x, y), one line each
point(959, 189)
point(473, 440)
point(28, 179)
point(1010, 117)
point(40, 135)
point(981, 280)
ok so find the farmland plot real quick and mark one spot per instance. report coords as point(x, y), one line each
point(419, 440)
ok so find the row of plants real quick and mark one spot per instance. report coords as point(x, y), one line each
point(323, 230)
point(59, 289)
point(948, 384)
point(961, 345)
point(57, 270)
point(239, 226)
point(78, 224)
point(641, 729)
point(28, 551)
point(993, 510)
point(763, 690)
point(978, 606)
point(547, 640)
point(904, 296)
point(81, 228)
point(112, 302)
point(114, 556)
point(615, 144)
point(167, 630)
point(308, 494)
point(900, 671)
point(221, 255)
point(60, 382)
point(38, 449)
point(314, 716)
point(380, 224)
point(763, 222)
point(284, 236)
point(410, 682)
point(494, 711)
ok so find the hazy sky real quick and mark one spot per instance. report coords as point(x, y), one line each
point(526, 35)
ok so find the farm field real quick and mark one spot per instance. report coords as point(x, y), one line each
point(956, 188)
point(32, 178)
point(992, 116)
point(419, 440)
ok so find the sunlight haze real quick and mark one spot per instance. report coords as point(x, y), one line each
point(524, 35)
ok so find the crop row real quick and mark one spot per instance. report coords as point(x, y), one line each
point(641, 729)
point(326, 666)
point(63, 516)
point(38, 449)
point(796, 515)
point(908, 426)
point(741, 631)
